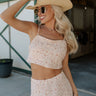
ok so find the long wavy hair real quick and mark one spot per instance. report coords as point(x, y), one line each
point(64, 27)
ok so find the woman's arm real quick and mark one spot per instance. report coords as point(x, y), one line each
point(13, 9)
point(9, 17)
point(67, 72)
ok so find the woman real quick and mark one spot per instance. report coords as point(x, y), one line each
point(51, 42)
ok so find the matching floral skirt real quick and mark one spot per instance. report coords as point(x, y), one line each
point(55, 86)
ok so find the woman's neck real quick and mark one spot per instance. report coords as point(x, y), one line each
point(50, 24)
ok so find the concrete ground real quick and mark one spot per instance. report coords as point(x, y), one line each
point(15, 85)
point(83, 72)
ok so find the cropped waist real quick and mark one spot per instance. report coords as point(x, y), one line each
point(45, 74)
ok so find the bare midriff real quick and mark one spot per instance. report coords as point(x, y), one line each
point(42, 73)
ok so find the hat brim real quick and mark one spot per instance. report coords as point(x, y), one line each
point(33, 7)
point(66, 7)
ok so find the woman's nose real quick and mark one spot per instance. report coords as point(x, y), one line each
point(39, 12)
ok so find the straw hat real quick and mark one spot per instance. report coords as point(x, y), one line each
point(65, 4)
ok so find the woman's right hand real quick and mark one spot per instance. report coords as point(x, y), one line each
point(9, 17)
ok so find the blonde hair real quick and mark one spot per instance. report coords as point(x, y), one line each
point(64, 27)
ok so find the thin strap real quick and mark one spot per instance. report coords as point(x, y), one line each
point(38, 29)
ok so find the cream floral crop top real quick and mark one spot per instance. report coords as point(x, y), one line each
point(47, 52)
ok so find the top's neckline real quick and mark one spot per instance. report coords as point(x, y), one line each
point(50, 39)
point(59, 40)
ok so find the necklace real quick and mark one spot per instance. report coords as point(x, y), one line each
point(50, 33)
point(49, 28)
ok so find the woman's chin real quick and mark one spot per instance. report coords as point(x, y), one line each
point(42, 22)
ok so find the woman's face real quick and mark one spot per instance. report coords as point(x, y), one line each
point(47, 16)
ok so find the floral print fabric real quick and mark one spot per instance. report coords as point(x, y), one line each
point(55, 86)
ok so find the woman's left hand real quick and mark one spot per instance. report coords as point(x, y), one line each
point(75, 92)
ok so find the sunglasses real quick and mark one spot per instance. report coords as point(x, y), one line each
point(42, 10)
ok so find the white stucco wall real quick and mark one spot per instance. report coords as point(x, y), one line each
point(19, 40)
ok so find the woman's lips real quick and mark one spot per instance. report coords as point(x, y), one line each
point(41, 18)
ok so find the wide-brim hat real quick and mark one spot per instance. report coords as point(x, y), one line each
point(65, 4)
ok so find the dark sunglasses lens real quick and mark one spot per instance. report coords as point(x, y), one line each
point(43, 9)
point(36, 11)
